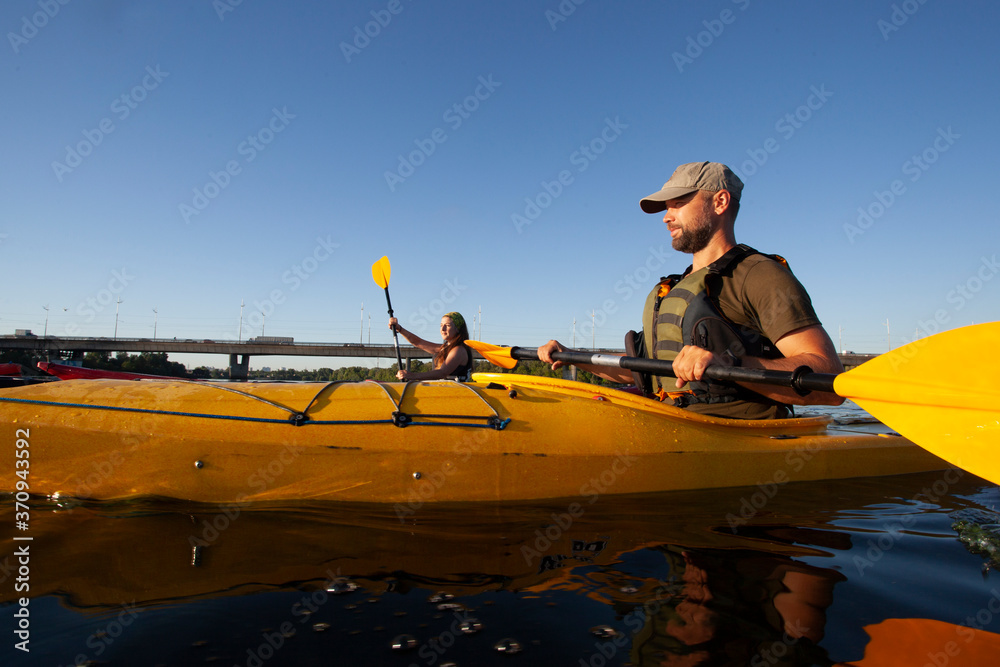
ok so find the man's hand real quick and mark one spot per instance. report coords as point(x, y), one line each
point(691, 362)
point(545, 353)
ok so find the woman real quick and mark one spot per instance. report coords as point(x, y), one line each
point(451, 358)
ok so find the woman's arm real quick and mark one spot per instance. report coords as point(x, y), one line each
point(451, 363)
point(454, 359)
point(413, 338)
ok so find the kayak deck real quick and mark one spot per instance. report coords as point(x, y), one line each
point(500, 437)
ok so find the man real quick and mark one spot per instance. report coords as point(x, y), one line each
point(733, 306)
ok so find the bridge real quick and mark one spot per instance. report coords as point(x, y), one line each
point(74, 347)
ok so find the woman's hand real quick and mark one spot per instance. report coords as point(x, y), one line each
point(394, 324)
point(402, 374)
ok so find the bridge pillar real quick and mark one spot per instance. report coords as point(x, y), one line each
point(239, 370)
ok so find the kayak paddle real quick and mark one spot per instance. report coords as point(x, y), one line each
point(919, 641)
point(381, 270)
point(941, 392)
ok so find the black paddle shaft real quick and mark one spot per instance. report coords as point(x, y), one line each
point(395, 335)
point(802, 379)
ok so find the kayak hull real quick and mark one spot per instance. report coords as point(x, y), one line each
point(69, 372)
point(498, 438)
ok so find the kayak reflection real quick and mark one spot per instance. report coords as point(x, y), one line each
point(683, 578)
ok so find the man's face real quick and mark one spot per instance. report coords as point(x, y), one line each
point(691, 220)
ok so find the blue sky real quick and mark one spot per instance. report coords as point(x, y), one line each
point(186, 156)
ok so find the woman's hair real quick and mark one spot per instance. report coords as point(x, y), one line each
point(463, 335)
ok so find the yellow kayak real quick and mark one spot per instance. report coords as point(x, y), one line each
point(500, 437)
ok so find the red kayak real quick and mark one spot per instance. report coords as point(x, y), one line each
point(10, 369)
point(67, 372)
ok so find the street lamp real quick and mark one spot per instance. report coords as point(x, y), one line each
point(155, 315)
point(593, 329)
point(117, 304)
point(240, 339)
point(45, 334)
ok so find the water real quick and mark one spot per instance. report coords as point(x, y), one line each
point(794, 574)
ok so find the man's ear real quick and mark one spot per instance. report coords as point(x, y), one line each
point(721, 200)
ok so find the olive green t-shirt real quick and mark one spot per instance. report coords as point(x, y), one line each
point(763, 295)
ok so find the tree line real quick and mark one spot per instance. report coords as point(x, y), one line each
point(360, 373)
point(157, 363)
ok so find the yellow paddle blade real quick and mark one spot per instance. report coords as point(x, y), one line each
point(496, 355)
point(904, 642)
point(381, 270)
point(941, 392)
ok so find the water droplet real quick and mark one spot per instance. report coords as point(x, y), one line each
point(508, 645)
point(404, 643)
point(629, 589)
point(321, 627)
point(604, 632)
point(341, 586)
point(451, 606)
point(470, 626)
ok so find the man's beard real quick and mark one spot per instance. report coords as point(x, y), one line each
point(697, 233)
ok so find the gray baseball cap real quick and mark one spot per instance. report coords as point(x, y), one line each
point(687, 178)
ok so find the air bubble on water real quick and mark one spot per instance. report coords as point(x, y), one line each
point(508, 645)
point(440, 596)
point(404, 643)
point(604, 632)
point(629, 589)
point(451, 606)
point(470, 626)
point(341, 586)
point(321, 627)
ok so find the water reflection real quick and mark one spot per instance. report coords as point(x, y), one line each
point(665, 579)
point(741, 604)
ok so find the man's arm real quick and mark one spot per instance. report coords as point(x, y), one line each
point(808, 346)
point(609, 373)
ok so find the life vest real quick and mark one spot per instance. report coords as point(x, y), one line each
point(680, 311)
point(463, 373)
